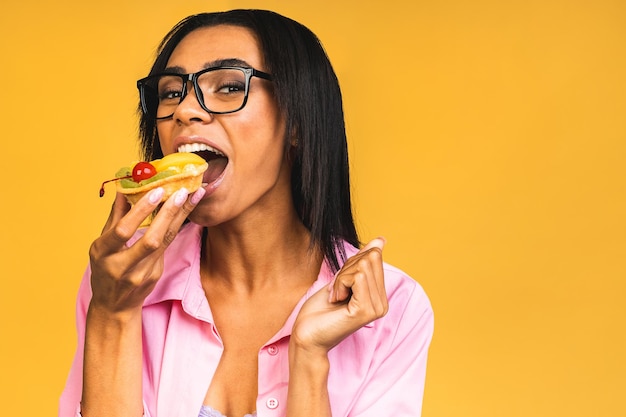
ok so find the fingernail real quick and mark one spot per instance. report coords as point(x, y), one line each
point(180, 197)
point(155, 195)
point(197, 196)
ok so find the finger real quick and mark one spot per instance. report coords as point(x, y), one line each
point(338, 293)
point(123, 228)
point(189, 204)
point(362, 284)
point(363, 305)
point(145, 271)
point(366, 302)
point(378, 242)
point(166, 224)
point(363, 281)
point(376, 282)
point(363, 299)
point(340, 289)
point(119, 208)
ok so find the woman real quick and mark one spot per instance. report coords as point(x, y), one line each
point(261, 303)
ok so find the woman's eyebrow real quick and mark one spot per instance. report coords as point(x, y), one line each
point(226, 62)
point(174, 70)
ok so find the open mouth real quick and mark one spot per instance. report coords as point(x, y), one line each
point(217, 160)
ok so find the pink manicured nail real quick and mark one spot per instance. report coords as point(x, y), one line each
point(180, 197)
point(197, 196)
point(155, 195)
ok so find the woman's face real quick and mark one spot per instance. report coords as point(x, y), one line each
point(254, 175)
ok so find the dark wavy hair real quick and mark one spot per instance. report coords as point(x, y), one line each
point(308, 94)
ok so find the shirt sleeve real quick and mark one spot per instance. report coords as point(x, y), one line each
point(69, 404)
point(396, 385)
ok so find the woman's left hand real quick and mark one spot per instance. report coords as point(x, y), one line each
point(355, 298)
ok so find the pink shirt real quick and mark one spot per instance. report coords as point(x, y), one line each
point(377, 371)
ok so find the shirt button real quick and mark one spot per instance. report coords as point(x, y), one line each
point(272, 350)
point(272, 403)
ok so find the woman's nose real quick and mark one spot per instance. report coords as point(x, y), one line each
point(189, 108)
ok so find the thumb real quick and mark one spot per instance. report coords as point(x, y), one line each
point(340, 291)
point(120, 207)
point(378, 242)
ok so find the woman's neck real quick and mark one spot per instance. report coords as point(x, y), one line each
point(260, 256)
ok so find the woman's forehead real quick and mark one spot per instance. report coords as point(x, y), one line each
point(214, 44)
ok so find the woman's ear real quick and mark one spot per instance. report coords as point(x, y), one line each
point(293, 135)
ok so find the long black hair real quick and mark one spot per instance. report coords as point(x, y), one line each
point(308, 94)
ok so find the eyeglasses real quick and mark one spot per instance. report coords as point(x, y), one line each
point(219, 90)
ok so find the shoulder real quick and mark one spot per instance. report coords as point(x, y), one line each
point(410, 315)
point(384, 362)
point(401, 287)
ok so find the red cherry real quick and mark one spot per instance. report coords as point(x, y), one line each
point(143, 171)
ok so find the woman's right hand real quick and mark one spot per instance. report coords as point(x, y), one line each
point(123, 276)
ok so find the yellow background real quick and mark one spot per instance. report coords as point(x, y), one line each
point(488, 147)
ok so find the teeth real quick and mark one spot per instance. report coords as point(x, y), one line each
point(197, 147)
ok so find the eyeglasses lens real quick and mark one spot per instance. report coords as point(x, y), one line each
point(221, 91)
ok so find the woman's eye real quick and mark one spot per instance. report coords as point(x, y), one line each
point(230, 88)
point(170, 94)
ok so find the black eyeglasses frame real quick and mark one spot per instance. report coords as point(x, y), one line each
point(193, 78)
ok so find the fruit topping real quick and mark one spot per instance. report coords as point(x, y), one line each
point(143, 170)
point(146, 172)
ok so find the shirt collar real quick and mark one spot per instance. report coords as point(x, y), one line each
point(181, 278)
point(181, 272)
